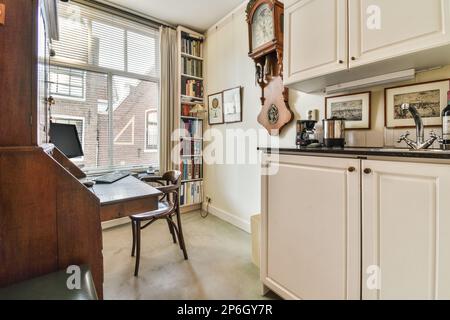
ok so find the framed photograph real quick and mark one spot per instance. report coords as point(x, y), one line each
point(354, 108)
point(215, 108)
point(232, 105)
point(428, 97)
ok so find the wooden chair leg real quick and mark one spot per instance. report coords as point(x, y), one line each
point(172, 232)
point(133, 230)
point(180, 236)
point(138, 247)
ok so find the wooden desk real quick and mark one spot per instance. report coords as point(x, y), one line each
point(125, 197)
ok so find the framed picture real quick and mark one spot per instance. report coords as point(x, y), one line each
point(232, 105)
point(354, 108)
point(215, 108)
point(429, 98)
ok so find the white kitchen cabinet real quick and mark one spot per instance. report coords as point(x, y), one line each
point(343, 228)
point(328, 42)
point(405, 230)
point(311, 227)
point(383, 29)
point(315, 38)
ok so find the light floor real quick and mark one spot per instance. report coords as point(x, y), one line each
point(219, 265)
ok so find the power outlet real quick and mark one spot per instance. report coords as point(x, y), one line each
point(208, 199)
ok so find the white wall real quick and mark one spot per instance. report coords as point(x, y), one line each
point(235, 188)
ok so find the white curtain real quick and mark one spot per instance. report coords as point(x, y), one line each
point(169, 114)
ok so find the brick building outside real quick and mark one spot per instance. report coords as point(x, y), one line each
point(134, 117)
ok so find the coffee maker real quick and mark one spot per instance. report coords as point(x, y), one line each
point(306, 133)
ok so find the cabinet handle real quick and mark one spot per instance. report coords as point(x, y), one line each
point(367, 171)
point(341, 61)
point(351, 169)
point(353, 58)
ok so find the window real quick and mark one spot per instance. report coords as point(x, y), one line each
point(98, 39)
point(106, 71)
point(151, 136)
point(67, 83)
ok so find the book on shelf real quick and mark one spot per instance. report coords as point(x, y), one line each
point(192, 88)
point(192, 67)
point(197, 147)
point(191, 147)
point(197, 167)
point(191, 45)
point(193, 128)
point(191, 193)
point(191, 168)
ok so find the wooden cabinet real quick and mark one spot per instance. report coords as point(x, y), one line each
point(17, 60)
point(315, 38)
point(405, 230)
point(330, 42)
point(48, 219)
point(310, 227)
point(382, 29)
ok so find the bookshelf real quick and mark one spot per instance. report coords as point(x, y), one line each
point(191, 93)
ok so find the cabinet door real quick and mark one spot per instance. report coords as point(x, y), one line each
point(310, 227)
point(315, 38)
point(406, 237)
point(383, 29)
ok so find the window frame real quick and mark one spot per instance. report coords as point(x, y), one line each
point(146, 149)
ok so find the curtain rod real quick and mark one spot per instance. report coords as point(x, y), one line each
point(125, 13)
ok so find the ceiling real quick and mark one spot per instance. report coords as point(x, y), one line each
point(195, 14)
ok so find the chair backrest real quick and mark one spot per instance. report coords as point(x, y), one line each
point(173, 176)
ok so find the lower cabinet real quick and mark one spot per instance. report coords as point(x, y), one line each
point(311, 227)
point(406, 230)
point(339, 228)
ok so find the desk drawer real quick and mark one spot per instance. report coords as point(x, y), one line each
point(128, 208)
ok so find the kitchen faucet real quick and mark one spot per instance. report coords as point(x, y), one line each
point(420, 142)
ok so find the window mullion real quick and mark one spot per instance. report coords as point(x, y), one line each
point(125, 54)
point(110, 120)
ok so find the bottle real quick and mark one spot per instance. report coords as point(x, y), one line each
point(446, 124)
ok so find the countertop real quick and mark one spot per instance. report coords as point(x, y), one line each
point(364, 152)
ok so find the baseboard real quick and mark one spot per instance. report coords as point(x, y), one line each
point(219, 213)
point(228, 217)
point(115, 223)
point(190, 208)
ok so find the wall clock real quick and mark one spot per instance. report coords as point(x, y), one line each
point(265, 30)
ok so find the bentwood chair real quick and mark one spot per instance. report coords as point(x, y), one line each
point(168, 207)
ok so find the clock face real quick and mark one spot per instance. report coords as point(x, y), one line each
point(262, 26)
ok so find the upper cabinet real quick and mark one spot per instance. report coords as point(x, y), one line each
point(330, 42)
point(315, 46)
point(382, 29)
